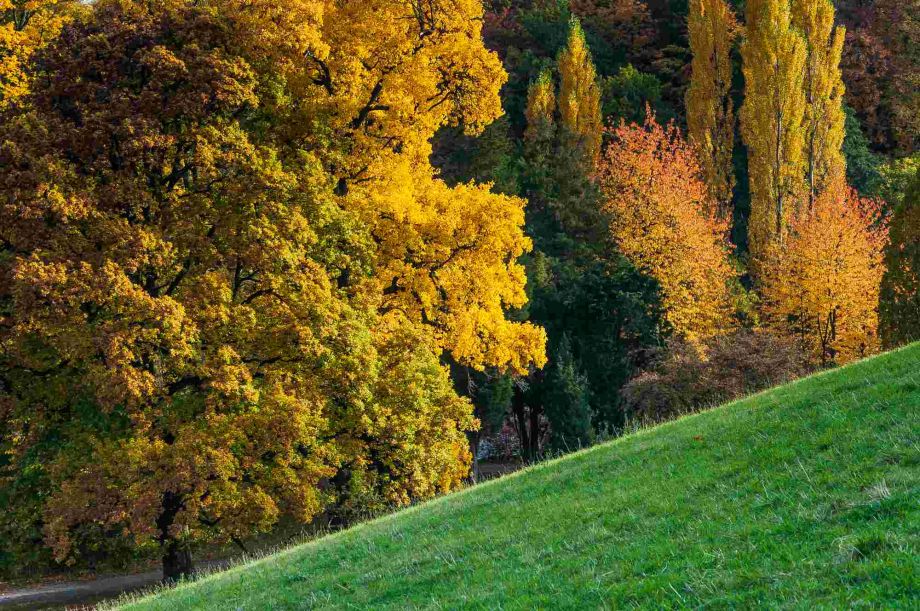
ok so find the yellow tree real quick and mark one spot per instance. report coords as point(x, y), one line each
point(822, 284)
point(772, 118)
point(710, 115)
point(579, 97)
point(229, 274)
point(26, 25)
point(540, 110)
point(663, 221)
point(823, 83)
point(386, 75)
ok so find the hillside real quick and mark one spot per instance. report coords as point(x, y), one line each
point(805, 495)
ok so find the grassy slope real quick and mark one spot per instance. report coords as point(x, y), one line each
point(806, 495)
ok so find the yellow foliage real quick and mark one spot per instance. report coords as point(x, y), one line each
point(822, 284)
point(540, 110)
point(662, 221)
point(579, 97)
point(26, 26)
point(773, 119)
point(710, 115)
point(823, 83)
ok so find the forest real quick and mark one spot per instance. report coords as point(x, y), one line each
point(305, 261)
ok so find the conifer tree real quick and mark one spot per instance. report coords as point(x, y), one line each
point(579, 97)
point(900, 299)
point(772, 118)
point(567, 406)
point(710, 114)
point(823, 83)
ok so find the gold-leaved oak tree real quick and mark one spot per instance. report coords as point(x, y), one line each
point(229, 276)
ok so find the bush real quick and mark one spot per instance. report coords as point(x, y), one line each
point(688, 377)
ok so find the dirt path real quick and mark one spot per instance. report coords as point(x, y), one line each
point(83, 593)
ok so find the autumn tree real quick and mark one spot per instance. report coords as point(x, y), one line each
point(662, 219)
point(229, 273)
point(540, 112)
point(579, 97)
point(772, 118)
point(822, 284)
point(25, 26)
point(710, 114)
point(823, 82)
point(900, 300)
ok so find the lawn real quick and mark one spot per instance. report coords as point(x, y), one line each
point(804, 496)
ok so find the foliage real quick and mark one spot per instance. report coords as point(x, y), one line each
point(688, 377)
point(900, 304)
point(822, 284)
point(881, 64)
point(25, 27)
point(230, 273)
point(579, 99)
point(567, 405)
point(710, 113)
point(772, 118)
point(863, 167)
point(662, 219)
point(823, 84)
point(628, 92)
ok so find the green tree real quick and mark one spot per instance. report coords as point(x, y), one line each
point(900, 297)
point(567, 404)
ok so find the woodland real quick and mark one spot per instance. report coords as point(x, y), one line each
point(305, 261)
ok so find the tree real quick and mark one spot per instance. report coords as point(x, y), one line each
point(579, 97)
point(772, 118)
point(710, 114)
point(662, 221)
point(823, 82)
point(900, 300)
point(568, 408)
point(26, 26)
point(822, 285)
point(228, 283)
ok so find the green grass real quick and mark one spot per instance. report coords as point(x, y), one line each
point(804, 496)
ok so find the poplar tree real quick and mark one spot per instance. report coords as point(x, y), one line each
point(772, 118)
point(579, 96)
point(823, 84)
point(540, 111)
point(710, 113)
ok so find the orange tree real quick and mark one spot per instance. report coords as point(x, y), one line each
point(822, 284)
point(229, 273)
point(664, 222)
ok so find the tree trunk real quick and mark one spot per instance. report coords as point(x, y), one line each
point(177, 558)
point(177, 561)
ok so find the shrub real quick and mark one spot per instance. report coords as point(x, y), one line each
point(687, 377)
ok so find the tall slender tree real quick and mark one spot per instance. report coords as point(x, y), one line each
point(900, 300)
point(540, 111)
point(710, 114)
point(823, 83)
point(772, 118)
point(579, 97)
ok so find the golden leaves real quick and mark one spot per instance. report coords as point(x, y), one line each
point(662, 220)
point(822, 283)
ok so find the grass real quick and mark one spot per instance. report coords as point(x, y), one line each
point(804, 496)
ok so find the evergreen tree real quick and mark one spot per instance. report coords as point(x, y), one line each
point(900, 299)
point(567, 406)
